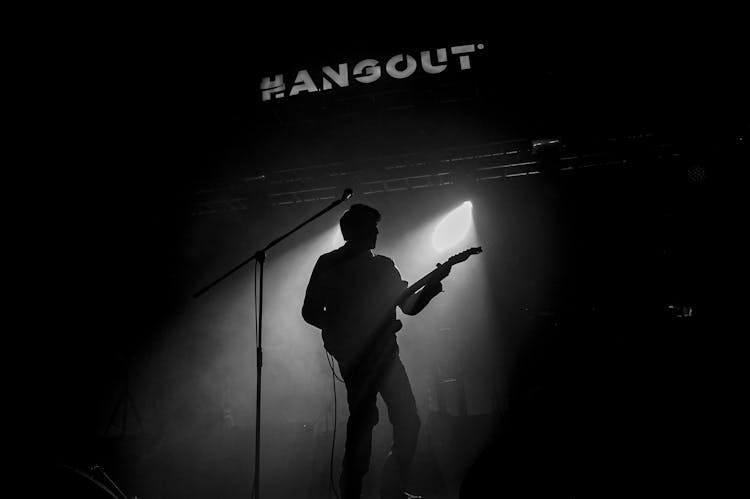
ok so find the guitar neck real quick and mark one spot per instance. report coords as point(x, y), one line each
point(461, 257)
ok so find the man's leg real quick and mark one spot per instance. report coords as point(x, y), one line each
point(402, 413)
point(363, 416)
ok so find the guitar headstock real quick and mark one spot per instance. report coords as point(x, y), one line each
point(463, 256)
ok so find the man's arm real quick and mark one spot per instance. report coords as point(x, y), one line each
point(419, 300)
point(313, 308)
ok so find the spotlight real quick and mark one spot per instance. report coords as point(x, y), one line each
point(453, 228)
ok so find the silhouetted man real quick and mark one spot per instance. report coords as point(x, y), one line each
point(352, 296)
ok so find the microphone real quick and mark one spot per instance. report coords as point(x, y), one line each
point(347, 194)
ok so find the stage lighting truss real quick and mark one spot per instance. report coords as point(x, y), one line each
point(486, 162)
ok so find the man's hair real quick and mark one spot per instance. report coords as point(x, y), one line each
point(357, 217)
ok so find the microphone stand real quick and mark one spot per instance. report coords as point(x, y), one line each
point(260, 257)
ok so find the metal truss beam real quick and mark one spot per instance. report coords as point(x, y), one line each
point(486, 162)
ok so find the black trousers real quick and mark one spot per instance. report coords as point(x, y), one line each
point(364, 380)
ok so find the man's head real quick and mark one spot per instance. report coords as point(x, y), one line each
point(359, 225)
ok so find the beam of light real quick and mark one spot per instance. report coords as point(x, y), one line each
point(452, 229)
point(338, 238)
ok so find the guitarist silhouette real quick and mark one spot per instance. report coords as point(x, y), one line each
point(352, 297)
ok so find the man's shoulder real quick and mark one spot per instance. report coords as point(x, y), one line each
point(384, 260)
point(387, 264)
point(330, 255)
point(331, 258)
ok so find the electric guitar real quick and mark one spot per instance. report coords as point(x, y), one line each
point(392, 326)
point(441, 267)
point(378, 336)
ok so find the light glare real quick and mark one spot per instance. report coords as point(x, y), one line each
point(338, 238)
point(453, 228)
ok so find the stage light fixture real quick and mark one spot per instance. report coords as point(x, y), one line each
point(452, 229)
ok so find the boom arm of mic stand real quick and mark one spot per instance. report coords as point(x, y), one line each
point(259, 253)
